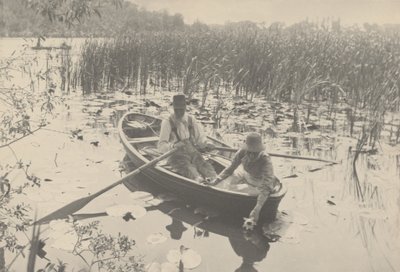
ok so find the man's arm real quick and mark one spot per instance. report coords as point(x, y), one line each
point(163, 143)
point(199, 136)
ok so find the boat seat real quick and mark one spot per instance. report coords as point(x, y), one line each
point(150, 151)
point(137, 124)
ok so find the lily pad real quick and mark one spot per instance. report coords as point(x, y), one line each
point(164, 267)
point(156, 238)
point(189, 258)
point(153, 267)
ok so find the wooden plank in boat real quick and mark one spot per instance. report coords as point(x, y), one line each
point(144, 140)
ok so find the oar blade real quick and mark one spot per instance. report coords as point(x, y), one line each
point(65, 211)
point(76, 205)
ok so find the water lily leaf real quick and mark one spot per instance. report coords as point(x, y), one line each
point(153, 267)
point(164, 267)
point(121, 210)
point(168, 267)
point(187, 257)
point(174, 256)
point(156, 238)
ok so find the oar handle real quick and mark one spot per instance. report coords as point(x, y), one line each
point(229, 149)
point(137, 171)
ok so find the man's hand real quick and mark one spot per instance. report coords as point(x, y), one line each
point(213, 181)
point(209, 147)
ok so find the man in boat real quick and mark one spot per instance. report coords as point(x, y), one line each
point(181, 130)
point(255, 175)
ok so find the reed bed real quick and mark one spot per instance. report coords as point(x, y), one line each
point(302, 63)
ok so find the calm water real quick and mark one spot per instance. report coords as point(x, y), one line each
point(323, 225)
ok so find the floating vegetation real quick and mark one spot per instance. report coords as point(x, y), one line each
point(184, 257)
point(156, 238)
point(354, 72)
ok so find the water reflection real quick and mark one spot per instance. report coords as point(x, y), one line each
point(176, 229)
point(252, 247)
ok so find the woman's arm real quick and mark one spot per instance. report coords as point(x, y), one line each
point(237, 160)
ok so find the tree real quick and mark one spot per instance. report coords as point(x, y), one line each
point(69, 11)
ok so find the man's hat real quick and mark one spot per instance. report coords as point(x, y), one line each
point(254, 142)
point(179, 101)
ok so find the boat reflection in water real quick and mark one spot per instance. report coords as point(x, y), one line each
point(252, 246)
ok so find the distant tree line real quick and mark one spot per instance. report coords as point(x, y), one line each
point(23, 18)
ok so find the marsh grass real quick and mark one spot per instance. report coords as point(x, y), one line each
point(349, 68)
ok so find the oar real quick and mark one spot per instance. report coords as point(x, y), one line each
point(220, 148)
point(80, 203)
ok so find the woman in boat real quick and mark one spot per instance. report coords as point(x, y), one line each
point(183, 131)
point(255, 175)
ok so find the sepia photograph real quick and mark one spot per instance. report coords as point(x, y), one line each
point(199, 136)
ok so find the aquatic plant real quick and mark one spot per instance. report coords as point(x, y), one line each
point(303, 62)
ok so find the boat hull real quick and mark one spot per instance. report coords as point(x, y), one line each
point(224, 201)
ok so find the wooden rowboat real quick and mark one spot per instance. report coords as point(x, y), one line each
point(139, 136)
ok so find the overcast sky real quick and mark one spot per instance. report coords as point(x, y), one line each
point(287, 11)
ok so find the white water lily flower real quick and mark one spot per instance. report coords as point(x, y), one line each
point(60, 228)
point(169, 267)
point(153, 267)
point(154, 202)
point(190, 258)
point(156, 238)
point(164, 267)
point(66, 242)
point(121, 210)
point(167, 197)
point(141, 196)
point(60, 224)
